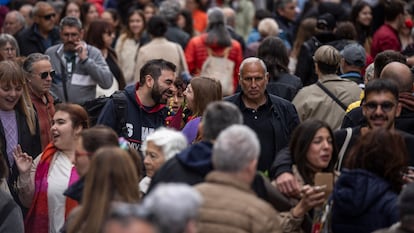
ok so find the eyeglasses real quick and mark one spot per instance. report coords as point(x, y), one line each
point(49, 16)
point(46, 74)
point(385, 106)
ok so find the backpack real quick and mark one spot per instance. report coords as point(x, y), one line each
point(94, 107)
point(221, 69)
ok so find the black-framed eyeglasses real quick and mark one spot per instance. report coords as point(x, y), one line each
point(386, 106)
point(49, 16)
point(46, 74)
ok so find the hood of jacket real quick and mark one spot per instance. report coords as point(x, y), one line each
point(197, 157)
point(356, 191)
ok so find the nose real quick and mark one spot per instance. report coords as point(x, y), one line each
point(147, 160)
point(378, 110)
point(49, 77)
point(12, 93)
point(173, 88)
point(175, 98)
point(326, 144)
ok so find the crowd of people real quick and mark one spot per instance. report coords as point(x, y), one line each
point(214, 116)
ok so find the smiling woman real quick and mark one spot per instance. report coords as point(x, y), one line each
point(18, 120)
point(42, 181)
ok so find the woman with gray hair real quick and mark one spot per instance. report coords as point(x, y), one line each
point(9, 49)
point(159, 147)
point(216, 42)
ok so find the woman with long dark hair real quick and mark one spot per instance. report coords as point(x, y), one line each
point(274, 54)
point(101, 35)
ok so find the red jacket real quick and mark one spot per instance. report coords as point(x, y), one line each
point(196, 54)
point(385, 38)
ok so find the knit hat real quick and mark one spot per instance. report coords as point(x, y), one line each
point(354, 54)
point(406, 200)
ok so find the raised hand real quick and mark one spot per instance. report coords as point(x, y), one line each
point(22, 159)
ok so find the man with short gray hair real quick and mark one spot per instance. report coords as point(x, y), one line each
point(170, 10)
point(13, 23)
point(227, 187)
point(173, 207)
point(271, 117)
point(192, 165)
point(79, 67)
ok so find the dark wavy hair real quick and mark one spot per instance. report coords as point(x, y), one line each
point(217, 33)
point(382, 152)
point(97, 29)
point(299, 146)
point(274, 54)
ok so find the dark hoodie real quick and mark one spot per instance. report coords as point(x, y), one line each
point(194, 163)
point(190, 166)
point(363, 202)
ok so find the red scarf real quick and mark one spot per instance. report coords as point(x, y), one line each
point(37, 219)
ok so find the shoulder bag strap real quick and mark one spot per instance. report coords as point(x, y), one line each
point(179, 56)
point(343, 149)
point(331, 95)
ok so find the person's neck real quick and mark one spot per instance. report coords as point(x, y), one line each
point(43, 33)
point(104, 52)
point(144, 96)
point(393, 24)
point(70, 153)
point(249, 103)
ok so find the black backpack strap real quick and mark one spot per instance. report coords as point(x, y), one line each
point(120, 111)
point(343, 106)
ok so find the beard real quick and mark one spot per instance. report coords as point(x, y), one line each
point(157, 94)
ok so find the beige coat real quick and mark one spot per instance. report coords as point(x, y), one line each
point(313, 102)
point(161, 48)
point(127, 50)
point(230, 206)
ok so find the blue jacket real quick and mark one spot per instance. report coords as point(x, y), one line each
point(140, 121)
point(363, 202)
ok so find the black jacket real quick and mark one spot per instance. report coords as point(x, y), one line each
point(192, 165)
point(284, 120)
point(31, 42)
point(285, 85)
point(29, 143)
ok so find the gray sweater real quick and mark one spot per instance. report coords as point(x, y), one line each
point(81, 85)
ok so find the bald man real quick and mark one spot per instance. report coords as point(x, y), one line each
point(400, 73)
point(403, 76)
point(13, 23)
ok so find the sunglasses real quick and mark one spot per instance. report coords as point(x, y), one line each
point(373, 106)
point(46, 74)
point(49, 16)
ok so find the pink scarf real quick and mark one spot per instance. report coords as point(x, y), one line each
point(37, 219)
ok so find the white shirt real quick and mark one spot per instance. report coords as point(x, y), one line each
point(58, 181)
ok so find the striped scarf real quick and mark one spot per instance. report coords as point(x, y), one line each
point(37, 219)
